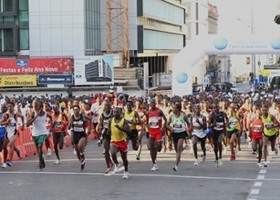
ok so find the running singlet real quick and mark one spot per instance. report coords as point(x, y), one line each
point(268, 122)
point(58, 124)
point(11, 128)
point(155, 121)
point(78, 125)
point(198, 132)
point(178, 124)
point(116, 134)
point(257, 129)
point(220, 122)
point(106, 119)
point(232, 124)
point(39, 125)
point(130, 117)
point(2, 128)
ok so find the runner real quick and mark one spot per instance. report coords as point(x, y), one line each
point(156, 131)
point(177, 124)
point(60, 121)
point(256, 133)
point(3, 124)
point(11, 135)
point(198, 134)
point(232, 131)
point(104, 131)
point(270, 132)
point(133, 119)
point(78, 124)
point(141, 127)
point(38, 119)
point(119, 131)
point(217, 122)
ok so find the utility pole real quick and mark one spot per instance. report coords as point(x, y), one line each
point(117, 29)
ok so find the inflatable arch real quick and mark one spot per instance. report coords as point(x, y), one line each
point(200, 46)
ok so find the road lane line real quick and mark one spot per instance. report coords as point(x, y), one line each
point(255, 191)
point(132, 175)
point(258, 184)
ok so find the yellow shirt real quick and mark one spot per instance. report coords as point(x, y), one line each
point(116, 134)
point(130, 117)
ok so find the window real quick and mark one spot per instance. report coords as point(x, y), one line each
point(7, 5)
point(24, 39)
point(8, 42)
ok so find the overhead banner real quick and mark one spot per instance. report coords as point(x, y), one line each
point(36, 66)
point(94, 70)
point(18, 81)
point(55, 79)
point(183, 71)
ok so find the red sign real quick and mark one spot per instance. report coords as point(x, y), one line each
point(36, 66)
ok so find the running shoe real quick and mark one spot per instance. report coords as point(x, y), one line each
point(19, 155)
point(83, 164)
point(175, 168)
point(232, 157)
point(196, 162)
point(57, 162)
point(203, 158)
point(260, 165)
point(74, 152)
point(276, 151)
point(9, 163)
point(220, 163)
point(118, 169)
point(154, 168)
point(265, 164)
point(125, 175)
point(49, 152)
point(99, 142)
point(4, 165)
point(138, 156)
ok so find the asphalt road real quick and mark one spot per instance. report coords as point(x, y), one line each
point(236, 180)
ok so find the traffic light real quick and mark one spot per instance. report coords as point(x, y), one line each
point(247, 60)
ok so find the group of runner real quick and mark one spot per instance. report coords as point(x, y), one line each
point(217, 119)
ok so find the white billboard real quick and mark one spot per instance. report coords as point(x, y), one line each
point(94, 70)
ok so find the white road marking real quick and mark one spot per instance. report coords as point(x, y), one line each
point(263, 171)
point(258, 184)
point(135, 175)
point(260, 177)
point(255, 191)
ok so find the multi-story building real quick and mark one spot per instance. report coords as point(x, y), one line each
point(157, 33)
point(14, 27)
point(51, 28)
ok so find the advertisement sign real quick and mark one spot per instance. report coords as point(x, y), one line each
point(36, 66)
point(18, 81)
point(55, 79)
point(94, 70)
point(165, 80)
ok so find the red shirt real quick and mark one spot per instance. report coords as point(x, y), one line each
point(155, 121)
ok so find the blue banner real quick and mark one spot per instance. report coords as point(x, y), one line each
point(55, 79)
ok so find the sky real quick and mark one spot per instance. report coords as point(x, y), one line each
point(241, 14)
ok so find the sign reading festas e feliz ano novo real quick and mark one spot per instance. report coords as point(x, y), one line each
point(18, 81)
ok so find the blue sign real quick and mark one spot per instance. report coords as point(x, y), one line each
point(21, 63)
point(55, 79)
point(275, 43)
point(182, 78)
point(221, 44)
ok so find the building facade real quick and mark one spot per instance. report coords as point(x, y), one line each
point(69, 28)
